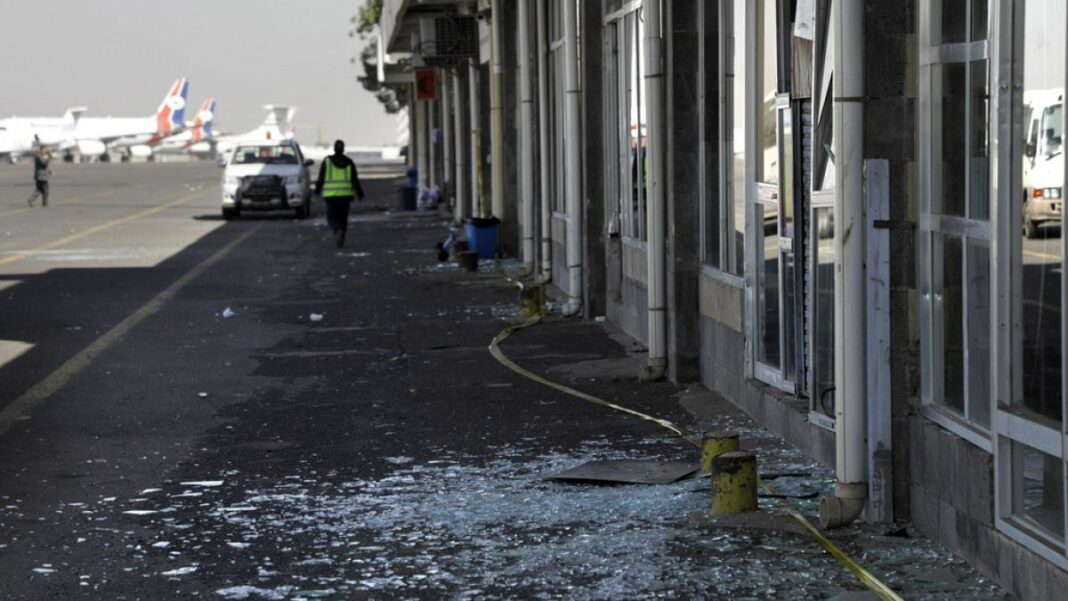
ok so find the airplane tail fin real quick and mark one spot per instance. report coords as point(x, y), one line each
point(73, 114)
point(277, 121)
point(276, 116)
point(170, 116)
point(203, 126)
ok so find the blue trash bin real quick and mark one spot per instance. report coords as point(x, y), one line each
point(482, 236)
point(413, 177)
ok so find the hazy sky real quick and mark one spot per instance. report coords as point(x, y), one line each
point(118, 57)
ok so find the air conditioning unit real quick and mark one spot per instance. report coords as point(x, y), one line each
point(448, 41)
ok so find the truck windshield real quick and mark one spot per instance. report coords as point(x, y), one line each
point(265, 155)
point(1052, 127)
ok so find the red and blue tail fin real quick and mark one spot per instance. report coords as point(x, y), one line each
point(203, 125)
point(170, 116)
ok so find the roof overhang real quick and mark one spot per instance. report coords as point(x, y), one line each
point(400, 19)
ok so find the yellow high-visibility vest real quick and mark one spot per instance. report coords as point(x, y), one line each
point(337, 182)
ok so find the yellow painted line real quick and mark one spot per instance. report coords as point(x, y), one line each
point(63, 374)
point(98, 228)
point(874, 584)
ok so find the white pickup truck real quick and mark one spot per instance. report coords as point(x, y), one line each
point(1043, 168)
point(266, 176)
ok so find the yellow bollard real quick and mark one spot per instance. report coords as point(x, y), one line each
point(714, 444)
point(734, 483)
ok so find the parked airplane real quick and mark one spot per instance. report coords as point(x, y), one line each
point(95, 136)
point(22, 135)
point(197, 138)
point(274, 127)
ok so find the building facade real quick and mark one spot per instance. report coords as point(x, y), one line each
point(844, 217)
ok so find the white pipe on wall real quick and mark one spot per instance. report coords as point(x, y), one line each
point(573, 159)
point(526, 137)
point(476, 140)
point(851, 464)
point(543, 145)
point(656, 209)
point(461, 212)
point(497, 108)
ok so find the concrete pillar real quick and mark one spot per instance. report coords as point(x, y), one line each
point(410, 111)
point(497, 24)
point(544, 181)
point(526, 136)
point(593, 159)
point(421, 142)
point(503, 116)
point(432, 145)
point(683, 174)
point(447, 180)
point(474, 104)
point(510, 233)
point(459, 136)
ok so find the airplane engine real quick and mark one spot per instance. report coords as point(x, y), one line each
point(91, 148)
point(141, 151)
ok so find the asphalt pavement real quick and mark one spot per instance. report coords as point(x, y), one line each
point(192, 407)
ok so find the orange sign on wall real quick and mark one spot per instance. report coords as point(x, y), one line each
point(425, 84)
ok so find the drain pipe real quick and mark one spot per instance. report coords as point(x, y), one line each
point(497, 109)
point(458, 139)
point(851, 457)
point(476, 140)
point(526, 134)
point(572, 160)
point(656, 289)
point(543, 146)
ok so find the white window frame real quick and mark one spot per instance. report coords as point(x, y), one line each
point(1009, 425)
point(723, 74)
point(967, 229)
point(754, 254)
point(632, 223)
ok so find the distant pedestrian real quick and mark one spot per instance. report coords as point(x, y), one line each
point(42, 170)
point(338, 183)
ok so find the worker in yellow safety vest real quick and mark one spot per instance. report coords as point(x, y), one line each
point(338, 183)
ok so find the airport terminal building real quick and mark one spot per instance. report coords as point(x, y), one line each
point(843, 217)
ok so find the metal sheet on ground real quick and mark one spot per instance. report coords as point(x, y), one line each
point(627, 471)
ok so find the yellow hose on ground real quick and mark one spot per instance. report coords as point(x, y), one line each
point(867, 578)
point(495, 350)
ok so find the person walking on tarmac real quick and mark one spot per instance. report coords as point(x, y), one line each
point(338, 182)
point(42, 169)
